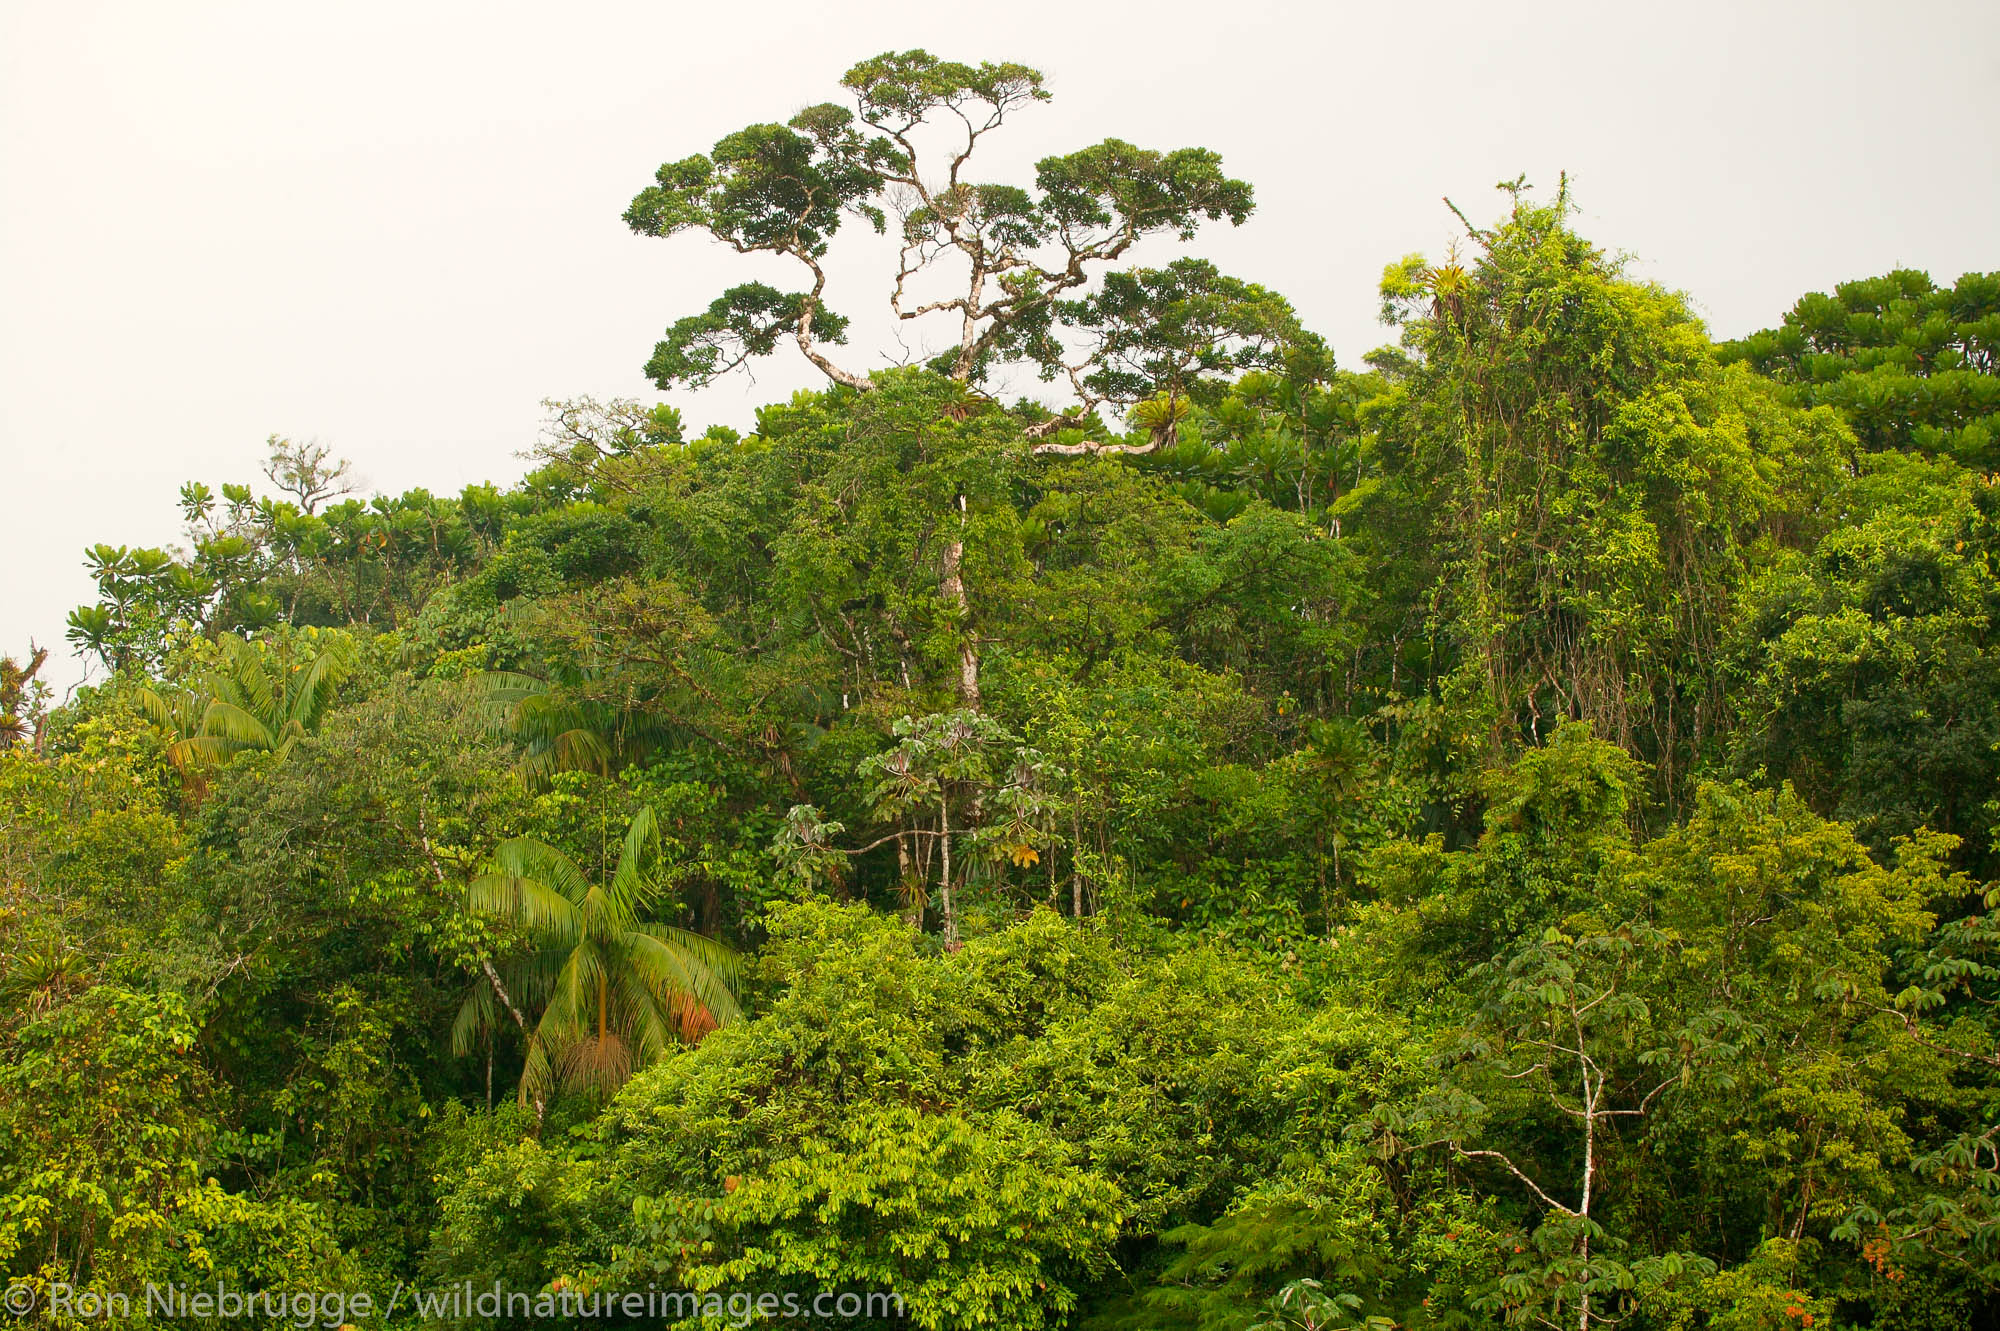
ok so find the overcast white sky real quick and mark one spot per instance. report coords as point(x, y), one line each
point(395, 226)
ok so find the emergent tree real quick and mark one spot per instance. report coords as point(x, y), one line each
point(1014, 265)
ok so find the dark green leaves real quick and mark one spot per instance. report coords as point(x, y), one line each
point(1912, 365)
point(898, 90)
point(768, 187)
point(1132, 191)
point(1179, 330)
point(742, 322)
point(784, 189)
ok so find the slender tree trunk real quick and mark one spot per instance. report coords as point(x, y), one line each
point(908, 883)
point(953, 586)
point(1075, 868)
point(945, 905)
point(499, 989)
point(541, 1109)
point(1590, 1103)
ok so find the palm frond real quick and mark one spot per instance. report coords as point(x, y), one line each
point(177, 715)
point(542, 712)
point(628, 881)
point(248, 678)
point(237, 727)
point(674, 961)
point(526, 857)
point(575, 750)
point(538, 1077)
point(676, 1016)
point(478, 1015)
point(532, 978)
point(198, 751)
point(651, 1024)
point(572, 1008)
point(316, 685)
point(288, 734)
point(556, 1031)
point(528, 902)
point(508, 686)
point(499, 692)
point(580, 749)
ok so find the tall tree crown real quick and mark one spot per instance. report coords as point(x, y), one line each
point(1014, 263)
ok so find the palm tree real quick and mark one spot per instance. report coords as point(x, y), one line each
point(556, 734)
point(559, 730)
point(252, 700)
point(615, 988)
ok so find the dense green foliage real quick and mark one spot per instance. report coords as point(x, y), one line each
point(1505, 836)
point(1910, 364)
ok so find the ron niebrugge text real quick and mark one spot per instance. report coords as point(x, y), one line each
point(338, 1308)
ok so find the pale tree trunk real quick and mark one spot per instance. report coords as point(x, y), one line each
point(945, 905)
point(1093, 448)
point(1592, 1097)
point(804, 334)
point(969, 326)
point(1591, 1110)
point(914, 913)
point(953, 587)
